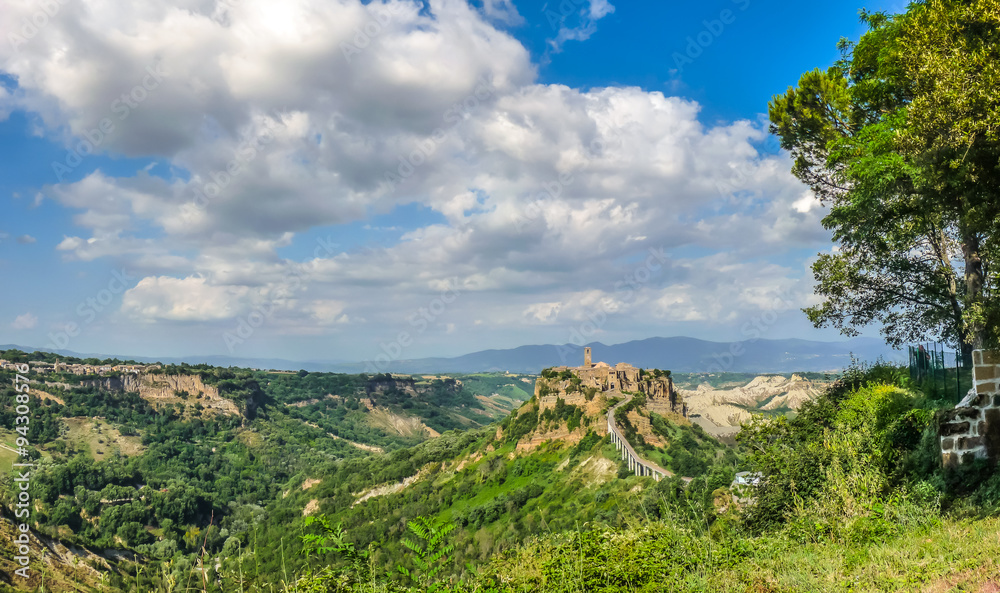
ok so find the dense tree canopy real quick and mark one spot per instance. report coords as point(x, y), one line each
point(899, 138)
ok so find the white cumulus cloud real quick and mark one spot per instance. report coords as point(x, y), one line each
point(26, 321)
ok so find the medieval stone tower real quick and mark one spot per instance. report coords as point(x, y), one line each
point(586, 357)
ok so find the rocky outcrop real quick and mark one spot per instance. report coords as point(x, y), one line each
point(379, 385)
point(559, 432)
point(643, 427)
point(661, 397)
point(187, 390)
point(721, 411)
point(130, 382)
point(589, 388)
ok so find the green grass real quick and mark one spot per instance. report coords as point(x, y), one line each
point(950, 556)
point(7, 459)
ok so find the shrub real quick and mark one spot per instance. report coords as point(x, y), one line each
point(839, 467)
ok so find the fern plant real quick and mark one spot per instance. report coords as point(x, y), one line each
point(359, 569)
point(431, 550)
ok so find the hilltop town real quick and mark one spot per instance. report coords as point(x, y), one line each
point(577, 385)
point(571, 402)
point(48, 368)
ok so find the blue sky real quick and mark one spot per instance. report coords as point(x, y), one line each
point(403, 180)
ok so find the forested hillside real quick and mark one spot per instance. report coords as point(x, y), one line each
point(164, 473)
point(157, 481)
point(150, 496)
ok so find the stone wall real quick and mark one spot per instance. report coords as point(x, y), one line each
point(972, 429)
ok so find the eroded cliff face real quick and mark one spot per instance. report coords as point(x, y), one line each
point(721, 411)
point(593, 411)
point(187, 390)
point(557, 433)
point(661, 397)
point(381, 386)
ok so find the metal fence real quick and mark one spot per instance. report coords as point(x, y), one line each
point(942, 373)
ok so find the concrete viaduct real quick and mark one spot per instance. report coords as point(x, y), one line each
point(637, 464)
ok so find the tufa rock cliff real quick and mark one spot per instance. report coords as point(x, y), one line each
point(187, 390)
point(570, 401)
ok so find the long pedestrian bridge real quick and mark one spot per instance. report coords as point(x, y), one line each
point(637, 464)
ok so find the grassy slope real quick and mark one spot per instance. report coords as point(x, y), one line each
point(949, 556)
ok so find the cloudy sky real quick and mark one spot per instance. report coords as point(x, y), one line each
point(332, 179)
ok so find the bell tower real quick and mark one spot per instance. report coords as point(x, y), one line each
point(586, 358)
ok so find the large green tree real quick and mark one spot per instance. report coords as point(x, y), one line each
point(900, 139)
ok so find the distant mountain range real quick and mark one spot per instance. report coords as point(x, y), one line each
point(214, 360)
point(679, 354)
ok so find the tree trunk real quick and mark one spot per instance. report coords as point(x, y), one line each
point(973, 286)
point(966, 355)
